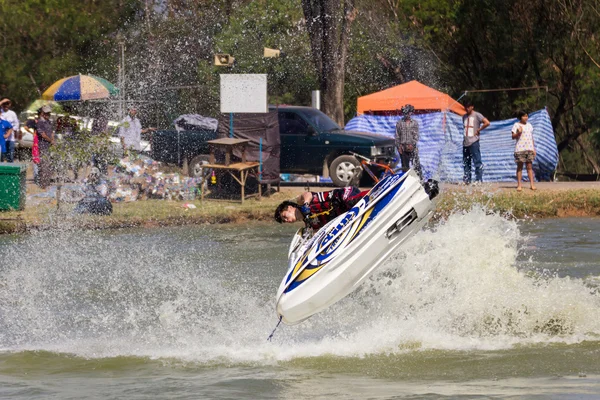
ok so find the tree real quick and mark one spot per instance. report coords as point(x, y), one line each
point(489, 44)
point(328, 23)
point(43, 41)
point(253, 27)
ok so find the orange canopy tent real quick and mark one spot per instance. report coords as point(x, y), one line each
point(420, 96)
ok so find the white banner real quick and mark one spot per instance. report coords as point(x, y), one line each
point(244, 93)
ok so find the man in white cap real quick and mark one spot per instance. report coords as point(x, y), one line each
point(130, 131)
point(10, 116)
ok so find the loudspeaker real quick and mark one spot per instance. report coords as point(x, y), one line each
point(271, 53)
point(224, 60)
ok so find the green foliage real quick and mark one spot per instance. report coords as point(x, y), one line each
point(76, 150)
point(272, 24)
point(45, 40)
point(497, 44)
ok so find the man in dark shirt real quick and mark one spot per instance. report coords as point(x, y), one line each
point(316, 209)
point(45, 132)
point(407, 137)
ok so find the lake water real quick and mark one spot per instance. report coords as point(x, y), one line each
point(475, 307)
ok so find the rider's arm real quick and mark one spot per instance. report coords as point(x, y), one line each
point(305, 197)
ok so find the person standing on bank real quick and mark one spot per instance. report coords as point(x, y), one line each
point(10, 116)
point(45, 132)
point(5, 131)
point(522, 132)
point(130, 132)
point(407, 137)
point(31, 127)
point(473, 123)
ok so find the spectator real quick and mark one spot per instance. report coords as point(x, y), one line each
point(473, 123)
point(522, 132)
point(407, 137)
point(9, 115)
point(5, 128)
point(100, 122)
point(45, 133)
point(31, 127)
point(100, 126)
point(130, 131)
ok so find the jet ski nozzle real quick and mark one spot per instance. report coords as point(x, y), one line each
point(431, 188)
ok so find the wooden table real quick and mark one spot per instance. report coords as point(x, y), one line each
point(242, 169)
point(227, 145)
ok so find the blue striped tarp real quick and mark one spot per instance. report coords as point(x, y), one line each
point(440, 150)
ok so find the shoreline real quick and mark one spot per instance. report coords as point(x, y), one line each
point(551, 200)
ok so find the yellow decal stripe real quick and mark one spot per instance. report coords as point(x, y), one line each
point(307, 273)
point(299, 264)
point(362, 222)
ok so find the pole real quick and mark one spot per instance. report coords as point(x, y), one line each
point(316, 99)
point(230, 125)
point(259, 160)
point(120, 93)
point(123, 71)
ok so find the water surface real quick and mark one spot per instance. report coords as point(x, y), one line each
point(476, 306)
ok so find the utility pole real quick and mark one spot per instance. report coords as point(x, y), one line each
point(121, 42)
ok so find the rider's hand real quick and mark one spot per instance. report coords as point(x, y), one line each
point(305, 209)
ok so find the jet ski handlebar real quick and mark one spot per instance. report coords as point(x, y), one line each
point(365, 162)
point(359, 156)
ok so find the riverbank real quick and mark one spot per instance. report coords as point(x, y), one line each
point(555, 199)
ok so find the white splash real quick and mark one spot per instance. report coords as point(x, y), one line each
point(457, 286)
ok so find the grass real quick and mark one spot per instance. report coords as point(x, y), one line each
point(148, 213)
point(541, 204)
point(153, 213)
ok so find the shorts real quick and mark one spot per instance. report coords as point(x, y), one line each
point(524, 156)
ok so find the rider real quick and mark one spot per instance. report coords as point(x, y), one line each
point(318, 208)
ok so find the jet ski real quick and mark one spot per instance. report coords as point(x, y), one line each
point(325, 267)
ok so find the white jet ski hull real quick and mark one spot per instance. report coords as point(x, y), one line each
point(347, 250)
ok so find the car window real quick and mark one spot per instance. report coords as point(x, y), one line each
point(321, 120)
point(291, 124)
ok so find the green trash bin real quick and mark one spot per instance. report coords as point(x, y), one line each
point(13, 189)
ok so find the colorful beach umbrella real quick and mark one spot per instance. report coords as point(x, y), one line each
point(80, 87)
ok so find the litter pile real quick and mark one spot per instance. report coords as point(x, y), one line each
point(130, 180)
point(143, 179)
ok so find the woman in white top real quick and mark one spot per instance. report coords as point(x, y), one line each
point(522, 132)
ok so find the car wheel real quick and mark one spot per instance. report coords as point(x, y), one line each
point(345, 170)
point(195, 170)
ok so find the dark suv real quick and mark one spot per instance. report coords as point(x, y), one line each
point(312, 143)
